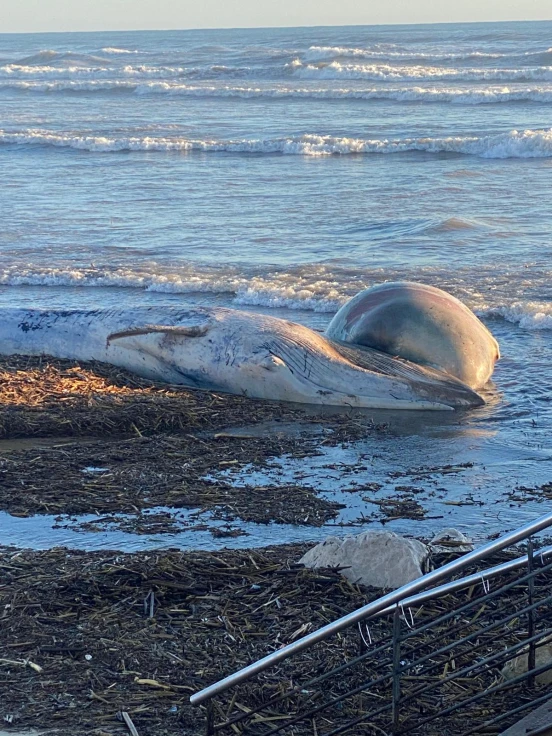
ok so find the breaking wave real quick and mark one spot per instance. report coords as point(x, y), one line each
point(514, 144)
point(386, 72)
point(527, 315)
point(328, 53)
point(325, 53)
point(454, 95)
point(315, 292)
point(24, 71)
point(315, 288)
point(114, 50)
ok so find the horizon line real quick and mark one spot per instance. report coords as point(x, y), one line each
point(275, 27)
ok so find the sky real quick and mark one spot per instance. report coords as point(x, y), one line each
point(32, 16)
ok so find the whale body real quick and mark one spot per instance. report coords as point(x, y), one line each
point(236, 352)
point(422, 324)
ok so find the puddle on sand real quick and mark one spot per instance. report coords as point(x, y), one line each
point(469, 485)
point(452, 474)
point(192, 529)
point(41, 443)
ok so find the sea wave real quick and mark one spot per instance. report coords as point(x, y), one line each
point(454, 95)
point(387, 72)
point(514, 144)
point(328, 53)
point(144, 71)
point(310, 287)
point(64, 57)
point(324, 53)
point(314, 291)
point(527, 315)
point(115, 50)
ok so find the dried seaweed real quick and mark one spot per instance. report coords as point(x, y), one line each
point(137, 464)
point(84, 636)
point(43, 396)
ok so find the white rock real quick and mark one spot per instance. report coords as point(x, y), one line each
point(451, 539)
point(517, 666)
point(379, 559)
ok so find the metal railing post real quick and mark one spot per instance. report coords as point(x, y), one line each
point(371, 609)
point(396, 668)
point(209, 718)
point(531, 613)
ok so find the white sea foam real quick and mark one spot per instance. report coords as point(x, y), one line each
point(387, 72)
point(109, 85)
point(115, 50)
point(316, 288)
point(140, 71)
point(527, 315)
point(455, 95)
point(328, 53)
point(323, 53)
point(514, 144)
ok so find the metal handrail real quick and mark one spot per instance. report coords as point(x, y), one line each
point(454, 585)
point(373, 608)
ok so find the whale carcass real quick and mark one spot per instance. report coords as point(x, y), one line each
point(422, 324)
point(235, 352)
point(263, 357)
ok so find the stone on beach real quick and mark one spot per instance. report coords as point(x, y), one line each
point(449, 539)
point(377, 558)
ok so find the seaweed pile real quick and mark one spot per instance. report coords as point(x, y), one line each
point(127, 444)
point(87, 636)
point(41, 396)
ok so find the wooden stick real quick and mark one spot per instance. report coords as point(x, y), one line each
point(130, 725)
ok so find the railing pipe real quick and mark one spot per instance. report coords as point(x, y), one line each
point(371, 608)
point(454, 585)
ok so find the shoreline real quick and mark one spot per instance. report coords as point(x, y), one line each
point(89, 452)
point(81, 439)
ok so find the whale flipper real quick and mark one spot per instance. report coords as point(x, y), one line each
point(172, 330)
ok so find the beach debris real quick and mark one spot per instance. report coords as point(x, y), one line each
point(47, 397)
point(214, 614)
point(376, 558)
point(82, 454)
point(450, 539)
point(128, 722)
point(543, 657)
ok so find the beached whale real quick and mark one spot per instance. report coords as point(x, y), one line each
point(235, 352)
point(422, 324)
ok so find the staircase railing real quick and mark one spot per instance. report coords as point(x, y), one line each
point(441, 658)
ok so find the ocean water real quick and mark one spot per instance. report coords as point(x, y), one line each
point(283, 170)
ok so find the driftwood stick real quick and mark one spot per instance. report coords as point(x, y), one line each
point(130, 725)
